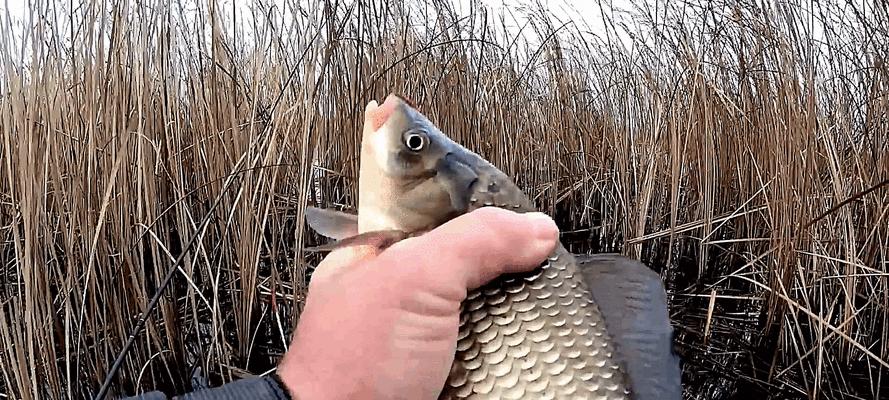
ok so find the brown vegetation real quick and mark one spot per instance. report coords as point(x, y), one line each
point(731, 148)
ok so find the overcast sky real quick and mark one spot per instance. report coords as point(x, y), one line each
point(588, 8)
point(19, 7)
point(587, 13)
point(585, 10)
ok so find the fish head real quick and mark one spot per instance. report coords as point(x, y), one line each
point(399, 145)
point(412, 176)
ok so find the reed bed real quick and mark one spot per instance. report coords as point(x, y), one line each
point(738, 148)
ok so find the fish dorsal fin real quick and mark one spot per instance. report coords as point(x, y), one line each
point(634, 306)
point(332, 224)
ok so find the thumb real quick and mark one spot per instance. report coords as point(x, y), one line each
point(474, 248)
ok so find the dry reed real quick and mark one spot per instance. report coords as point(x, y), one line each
point(731, 147)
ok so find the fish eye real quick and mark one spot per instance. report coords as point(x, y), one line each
point(415, 141)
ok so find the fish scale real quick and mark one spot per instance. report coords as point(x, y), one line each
point(579, 326)
point(532, 336)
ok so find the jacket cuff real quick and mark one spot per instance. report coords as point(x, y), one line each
point(267, 387)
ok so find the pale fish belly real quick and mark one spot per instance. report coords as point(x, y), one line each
point(538, 336)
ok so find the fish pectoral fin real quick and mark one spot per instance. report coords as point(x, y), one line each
point(331, 223)
point(379, 239)
point(633, 304)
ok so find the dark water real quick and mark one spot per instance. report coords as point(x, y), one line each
point(740, 356)
point(733, 363)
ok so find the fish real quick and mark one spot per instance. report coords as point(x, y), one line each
point(580, 326)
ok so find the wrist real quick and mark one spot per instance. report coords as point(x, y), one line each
point(315, 382)
point(289, 393)
point(298, 381)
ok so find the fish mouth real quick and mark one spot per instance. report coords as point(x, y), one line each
point(377, 115)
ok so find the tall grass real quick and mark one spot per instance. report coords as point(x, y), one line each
point(731, 146)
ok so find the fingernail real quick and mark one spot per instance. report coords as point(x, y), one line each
point(545, 229)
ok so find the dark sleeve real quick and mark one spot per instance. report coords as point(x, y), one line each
point(258, 388)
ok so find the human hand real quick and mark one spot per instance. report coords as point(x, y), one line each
point(384, 324)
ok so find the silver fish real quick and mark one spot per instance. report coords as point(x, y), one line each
point(578, 327)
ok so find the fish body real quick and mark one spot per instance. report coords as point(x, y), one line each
point(538, 335)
